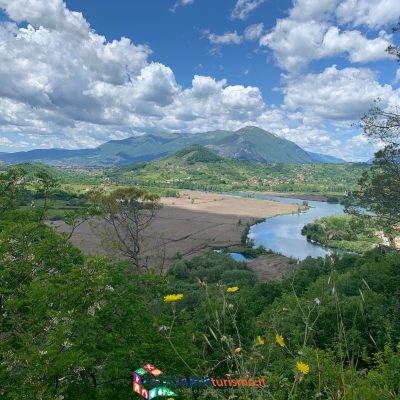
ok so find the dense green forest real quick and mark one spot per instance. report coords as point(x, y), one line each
point(76, 327)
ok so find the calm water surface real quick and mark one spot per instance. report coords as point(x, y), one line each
point(282, 233)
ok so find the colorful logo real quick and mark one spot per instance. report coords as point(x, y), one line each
point(161, 391)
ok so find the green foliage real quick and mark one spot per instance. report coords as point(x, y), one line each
point(346, 232)
point(196, 154)
point(75, 327)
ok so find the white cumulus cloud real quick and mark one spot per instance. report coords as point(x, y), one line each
point(335, 94)
point(309, 33)
point(372, 13)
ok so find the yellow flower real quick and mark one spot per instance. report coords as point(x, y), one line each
point(302, 367)
point(169, 298)
point(279, 340)
point(232, 289)
point(260, 340)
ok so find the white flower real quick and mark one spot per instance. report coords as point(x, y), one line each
point(317, 301)
point(67, 344)
point(42, 352)
point(91, 310)
point(109, 288)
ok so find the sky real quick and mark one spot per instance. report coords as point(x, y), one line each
point(76, 74)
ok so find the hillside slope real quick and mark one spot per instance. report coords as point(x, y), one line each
point(249, 143)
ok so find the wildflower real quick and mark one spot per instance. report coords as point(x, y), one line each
point(91, 310)
point(302, 367)
point(232, 289)
point(170, 298)
point(261, 341)
point(317, 301)
point(201, 282)
point(279, 340)
point(238, 350)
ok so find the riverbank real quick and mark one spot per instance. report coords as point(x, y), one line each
point(300, 196)
point(191, 224)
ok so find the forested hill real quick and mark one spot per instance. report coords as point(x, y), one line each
point(196, 167)
point(249, 143)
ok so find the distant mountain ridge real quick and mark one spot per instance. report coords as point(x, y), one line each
point(249, 143)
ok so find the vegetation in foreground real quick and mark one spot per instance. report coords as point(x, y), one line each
point(77, 327)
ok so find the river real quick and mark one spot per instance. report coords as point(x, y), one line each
point(282, 233)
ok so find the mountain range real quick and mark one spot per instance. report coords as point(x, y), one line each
point(249, 143)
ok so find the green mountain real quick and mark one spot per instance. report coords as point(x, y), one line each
point(249, 143)
point(197, 167)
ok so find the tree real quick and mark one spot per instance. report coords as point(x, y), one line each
point(11, 183)
point(129, 212)
point(45, 186)
point(380, 186)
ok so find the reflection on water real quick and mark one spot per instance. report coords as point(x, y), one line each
point(240, 257)
point(237, 256)
point(282, 233)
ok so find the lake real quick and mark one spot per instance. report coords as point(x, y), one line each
point(282, 233)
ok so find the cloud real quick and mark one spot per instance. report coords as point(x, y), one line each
point(358, 47)
point(397, 77)
point(225, 38)
point(308, 33)
point(253, 32)
point(181, 3)
point(296, 44)
point(335, 94)
point(244, 7)
point(372, 13)
point(64, 85)
point(6, 142)
point(48, 14)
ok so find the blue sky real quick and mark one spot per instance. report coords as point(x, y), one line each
point(176, 37)
point(79, 73)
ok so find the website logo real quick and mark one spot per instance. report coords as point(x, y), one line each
point(139, 377)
